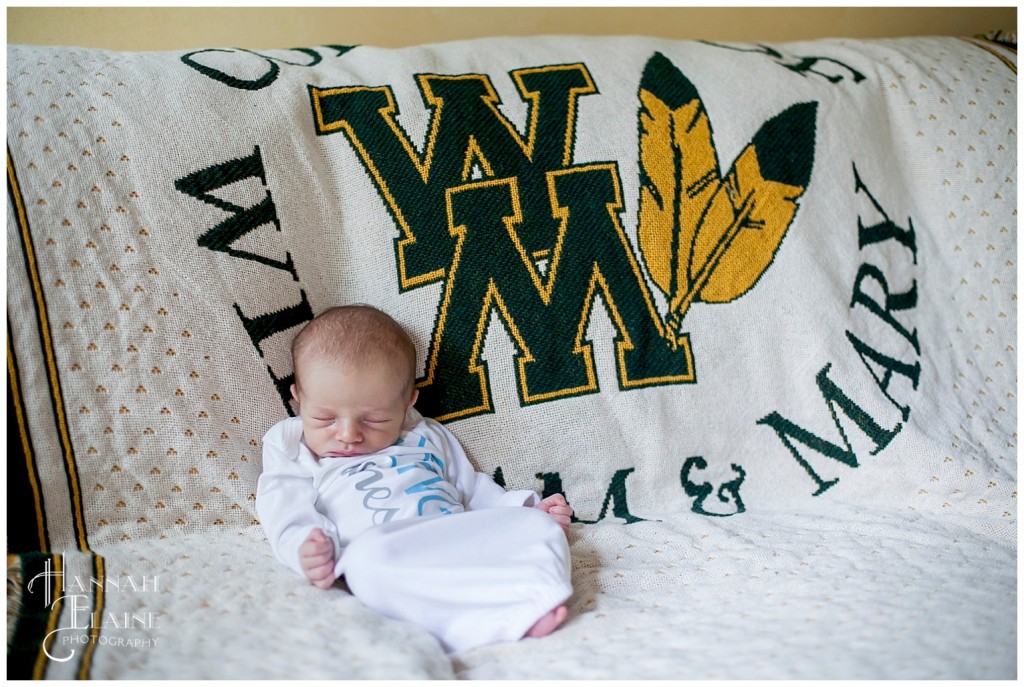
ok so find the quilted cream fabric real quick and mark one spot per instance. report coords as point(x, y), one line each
point(752, 309)
point(860, 595)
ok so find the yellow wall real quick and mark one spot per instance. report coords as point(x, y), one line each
point(134, 28)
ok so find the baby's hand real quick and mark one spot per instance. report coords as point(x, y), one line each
point(556, 507)
point(316, 556)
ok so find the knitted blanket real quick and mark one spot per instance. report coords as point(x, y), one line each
point(750, 307)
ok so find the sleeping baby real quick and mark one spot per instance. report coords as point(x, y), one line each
point(360, 486)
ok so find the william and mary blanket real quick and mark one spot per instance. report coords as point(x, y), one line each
point(750, 307)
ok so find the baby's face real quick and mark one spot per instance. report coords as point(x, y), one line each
point(350, 410)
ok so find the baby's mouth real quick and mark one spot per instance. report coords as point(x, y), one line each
point(342, 454)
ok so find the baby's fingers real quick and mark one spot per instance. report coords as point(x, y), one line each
point(325, 583)
point(310, 557)
point(562, 515)
point(316, 543)
point(316, 536)
point(317, 558)
point(321, 576)
point(561, 511)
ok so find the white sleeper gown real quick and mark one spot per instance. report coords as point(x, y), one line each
point(419, 535)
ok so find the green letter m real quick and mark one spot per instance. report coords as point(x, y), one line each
point(545, 315)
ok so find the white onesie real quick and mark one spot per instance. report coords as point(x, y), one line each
point(494, 566)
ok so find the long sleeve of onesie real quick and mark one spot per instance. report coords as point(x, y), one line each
point(286, 496)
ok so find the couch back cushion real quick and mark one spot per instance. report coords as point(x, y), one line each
point(669, 279)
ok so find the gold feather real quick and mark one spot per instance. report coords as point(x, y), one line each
point(765, 209)
point(703, 237)
point(679, 174)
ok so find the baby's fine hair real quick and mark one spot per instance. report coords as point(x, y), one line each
point(354, 334)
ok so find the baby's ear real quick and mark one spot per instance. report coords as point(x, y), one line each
point(294, 401)
point(415, 395)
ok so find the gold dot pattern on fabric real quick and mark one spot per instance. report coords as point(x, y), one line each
point(968, 162)
point(158, 442)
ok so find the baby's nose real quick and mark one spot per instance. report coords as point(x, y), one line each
point(348, 432)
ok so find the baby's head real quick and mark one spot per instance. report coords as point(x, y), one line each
point(355, 373)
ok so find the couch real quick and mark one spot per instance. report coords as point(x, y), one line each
point(750, 307)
